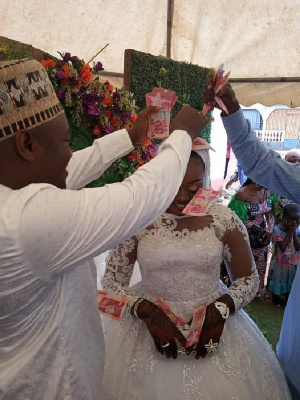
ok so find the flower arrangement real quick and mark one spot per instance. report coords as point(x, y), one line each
point(94, 109)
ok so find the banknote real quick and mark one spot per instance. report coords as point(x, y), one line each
point(112, 305)
point(196, 326)
point(201, 202)
point(167, 310)
point(219, 81)
point(159, 122)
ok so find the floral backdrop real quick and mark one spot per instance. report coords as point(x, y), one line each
point(94, 108)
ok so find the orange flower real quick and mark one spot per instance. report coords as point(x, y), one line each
point(85, 74)
point(110, 87)
point(65, 68)
point(114, 122)
point(133, 117)
point(108, 114)
point(48, 63)
point(97, 130)
point(147, 143)
point(108, 101)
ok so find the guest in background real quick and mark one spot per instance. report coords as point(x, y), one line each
point(286, 256)
point(268, 169)
point(253, 204)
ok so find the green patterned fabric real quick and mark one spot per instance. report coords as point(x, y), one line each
point(239, 207)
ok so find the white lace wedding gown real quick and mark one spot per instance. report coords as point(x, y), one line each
point(183, 268)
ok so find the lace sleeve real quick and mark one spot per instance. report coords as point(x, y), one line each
point(119, 268)
point(238, 258)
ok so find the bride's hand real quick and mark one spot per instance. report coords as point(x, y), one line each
point(161, 328)
point(211, 332)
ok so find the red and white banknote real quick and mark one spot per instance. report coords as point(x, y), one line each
point(201, 202)
point(201, 144)
point(167, 310)
point(196, 326)
point(159, 122)
point(112, 305)
point(219, 81)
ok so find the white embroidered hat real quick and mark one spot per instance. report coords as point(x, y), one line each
point(27, 97)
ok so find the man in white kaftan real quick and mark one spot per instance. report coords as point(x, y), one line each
point(51, 342)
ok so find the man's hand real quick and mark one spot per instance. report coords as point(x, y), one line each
point(161, 328)
point(190, 120)
point(226, 94)
point(138, 131)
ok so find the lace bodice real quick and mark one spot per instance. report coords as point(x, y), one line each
point(178, 264)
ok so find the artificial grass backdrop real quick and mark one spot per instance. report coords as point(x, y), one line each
point(268, 318)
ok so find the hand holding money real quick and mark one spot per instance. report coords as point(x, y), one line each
point(163, 331)
point(213, 326)
point(218, 93)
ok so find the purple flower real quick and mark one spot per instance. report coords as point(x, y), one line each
point(100, 98)
point(60, 74)
point(93, 110)
point(60, 94)
point(109, 129)
point(87, 99)
point(125, 116)
point(116, 96)
point(99, 67)
point(73, 81)
point(67, 57)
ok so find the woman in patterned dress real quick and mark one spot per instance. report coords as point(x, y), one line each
point(253, 204)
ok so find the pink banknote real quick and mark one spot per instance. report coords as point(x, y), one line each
point(196, 326)
point(201, 144)
point(219, 81)
point(159, 122)
point(201, 202)
point(167, 310)
point(112, 305)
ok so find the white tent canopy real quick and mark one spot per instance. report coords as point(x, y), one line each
point(258, 40)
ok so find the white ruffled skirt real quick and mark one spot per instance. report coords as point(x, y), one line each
point(244, 367)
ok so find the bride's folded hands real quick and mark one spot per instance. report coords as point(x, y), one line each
point(163, 331)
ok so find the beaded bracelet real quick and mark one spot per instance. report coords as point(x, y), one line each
point(135, 306)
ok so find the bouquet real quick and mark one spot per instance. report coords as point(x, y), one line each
point(94, 109)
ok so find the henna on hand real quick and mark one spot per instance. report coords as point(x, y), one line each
point(213, 326)
point(161, 328)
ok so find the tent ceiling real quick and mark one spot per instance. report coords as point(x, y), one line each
point(254, 38)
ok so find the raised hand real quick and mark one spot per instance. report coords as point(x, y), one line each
point(138, 131)
point(161, 328)
point(190, 120)
point(226, 94)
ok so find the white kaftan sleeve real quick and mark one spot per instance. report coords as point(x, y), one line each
point(89, 164)
point(59, 229)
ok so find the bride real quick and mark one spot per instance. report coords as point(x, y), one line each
point(179, 258)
